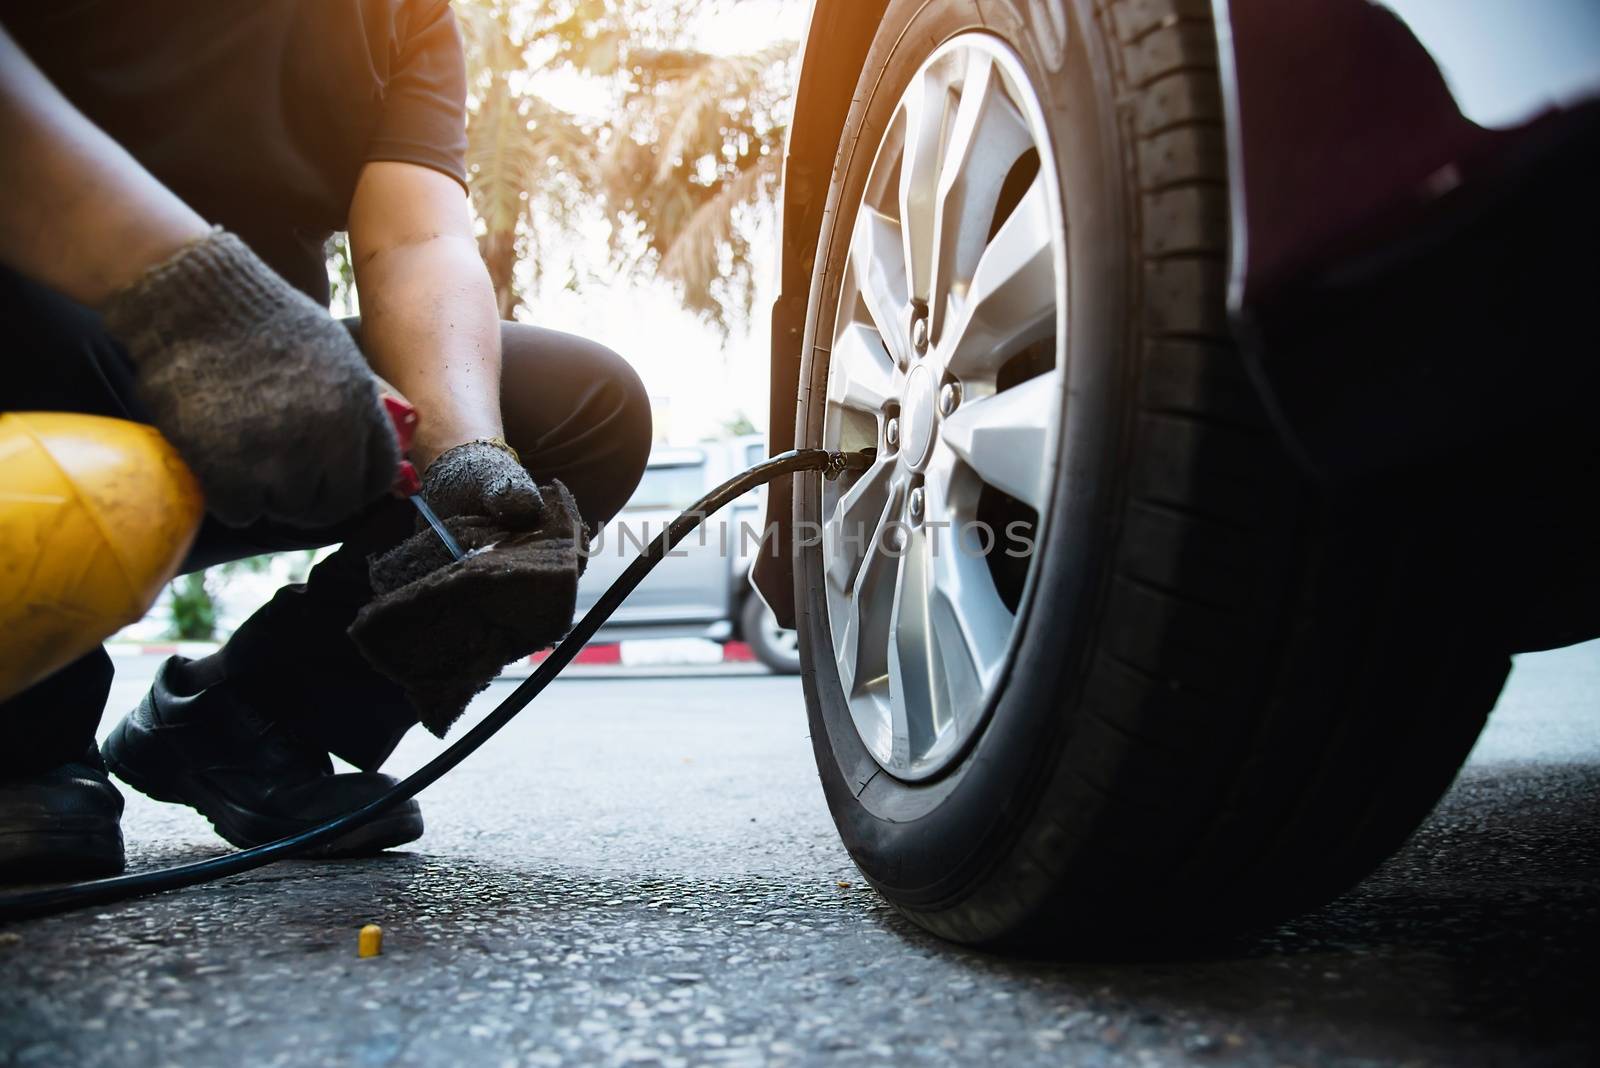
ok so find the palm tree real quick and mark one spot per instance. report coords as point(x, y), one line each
point(693, 139)
point(528, 162)
point(700, 140)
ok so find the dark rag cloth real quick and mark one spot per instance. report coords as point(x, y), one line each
point(444, 628)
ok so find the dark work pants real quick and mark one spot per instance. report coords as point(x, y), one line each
point(573, 410)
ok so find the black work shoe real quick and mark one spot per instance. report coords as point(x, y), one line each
point(247, 775)
point(62, 824)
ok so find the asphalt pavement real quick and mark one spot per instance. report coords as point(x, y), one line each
point(641, 870)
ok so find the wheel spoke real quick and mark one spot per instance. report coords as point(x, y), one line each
point(1012, 299)
point(976, 88)
point(878, 265)
point(860, 370)
point(987, 137)
point(926, 103)
point(970, 621)
point(915, 699)
point(1005, 437)
point(857, 520)
point(865, 641)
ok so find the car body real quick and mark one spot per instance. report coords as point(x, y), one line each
point(1265, 326)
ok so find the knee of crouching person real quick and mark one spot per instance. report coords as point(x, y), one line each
point(618, 438)
point(630, 405)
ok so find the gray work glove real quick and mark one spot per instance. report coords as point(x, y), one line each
point(264, 394)
point(485, 479)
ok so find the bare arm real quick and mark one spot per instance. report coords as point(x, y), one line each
point(79, 214)
point(429, 323)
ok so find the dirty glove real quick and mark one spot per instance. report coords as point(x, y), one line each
point(483, 478)
point(263, 393)
point(443, 629)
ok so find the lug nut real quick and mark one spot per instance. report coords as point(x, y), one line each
point(891, 433)
point(917, 504)
point(949, 398)
point(919, 334)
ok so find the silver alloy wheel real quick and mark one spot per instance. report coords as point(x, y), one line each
point(780, 639)
point(943, 292)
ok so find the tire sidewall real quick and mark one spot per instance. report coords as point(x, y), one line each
point(927, 844)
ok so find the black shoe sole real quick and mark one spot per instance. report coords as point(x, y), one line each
point(70, 848)
point(133, 755)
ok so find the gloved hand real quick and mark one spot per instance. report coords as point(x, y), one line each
point(483, 479)
point(443, 629)
point(264, 394)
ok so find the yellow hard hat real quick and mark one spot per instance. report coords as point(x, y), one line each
point(96, 516)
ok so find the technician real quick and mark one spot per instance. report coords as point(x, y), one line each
point(171, 171)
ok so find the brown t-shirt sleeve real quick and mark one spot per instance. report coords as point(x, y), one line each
point(424, 119)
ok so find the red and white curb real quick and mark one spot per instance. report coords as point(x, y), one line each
point(191, 650)
point(659, 652)
point(641, 653)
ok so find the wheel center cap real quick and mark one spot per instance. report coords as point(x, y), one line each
point(916, 416)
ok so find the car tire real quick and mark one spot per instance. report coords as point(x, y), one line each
point(1231, 692)
point(775, 647)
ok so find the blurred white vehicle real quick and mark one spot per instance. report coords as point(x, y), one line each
point(704, 590)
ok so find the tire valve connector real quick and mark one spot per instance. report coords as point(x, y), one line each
point(840, 462)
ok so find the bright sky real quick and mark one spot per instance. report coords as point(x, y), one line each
point(697, 382)
point(1504, 69)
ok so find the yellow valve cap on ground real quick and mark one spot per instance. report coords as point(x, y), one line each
point(96, 516)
